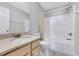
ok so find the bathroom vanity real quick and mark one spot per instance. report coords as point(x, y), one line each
point(24, 46)
point(14, 21)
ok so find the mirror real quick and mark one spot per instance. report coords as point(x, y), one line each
point(13, 20)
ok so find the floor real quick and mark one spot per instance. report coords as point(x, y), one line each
point(48, 52)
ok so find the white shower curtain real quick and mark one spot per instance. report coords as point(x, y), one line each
point(56, 32)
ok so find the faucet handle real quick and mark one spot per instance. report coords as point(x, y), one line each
point(70, 34)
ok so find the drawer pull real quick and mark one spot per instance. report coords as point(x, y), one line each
point(26, 54)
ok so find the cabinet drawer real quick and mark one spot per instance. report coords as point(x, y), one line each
point(21, 51)
point(35, 43)
point(36, 51)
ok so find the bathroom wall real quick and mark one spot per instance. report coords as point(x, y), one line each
point(77, 35)
point(17, 18)
point(76, 5)
point(35, 12)
point(77, 28)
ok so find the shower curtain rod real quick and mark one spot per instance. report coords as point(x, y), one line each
point(58, 9)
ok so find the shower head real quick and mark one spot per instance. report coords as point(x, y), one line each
point(68, 9)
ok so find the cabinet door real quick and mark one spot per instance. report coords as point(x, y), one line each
point(36, 51)
point(35, 44)
point(21, 52)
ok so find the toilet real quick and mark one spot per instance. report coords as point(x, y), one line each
point(44, 48)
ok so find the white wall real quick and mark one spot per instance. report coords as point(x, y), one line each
point(77, 35)
point(76, 26)
point(17, 15)
point(35, 12)
point(17, 18)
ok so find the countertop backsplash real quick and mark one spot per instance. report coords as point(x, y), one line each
point(5, 36)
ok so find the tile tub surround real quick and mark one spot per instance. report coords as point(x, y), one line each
point(10, 35)
point(12, 45)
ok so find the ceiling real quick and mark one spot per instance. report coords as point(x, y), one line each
point(52, 5)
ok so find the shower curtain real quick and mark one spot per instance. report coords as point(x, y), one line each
point(56, 33)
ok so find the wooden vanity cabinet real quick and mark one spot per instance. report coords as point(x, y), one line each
point(35, 43)
point(36, 51)
point(35, 48)
point(23, 51)
point(31, 49)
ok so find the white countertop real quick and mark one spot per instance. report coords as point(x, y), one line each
point(8, 44)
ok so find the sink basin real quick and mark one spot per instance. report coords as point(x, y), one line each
point(18, 40)
point(13, 39)
point(27, 36)
point(34, 34)
point(21, 39)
